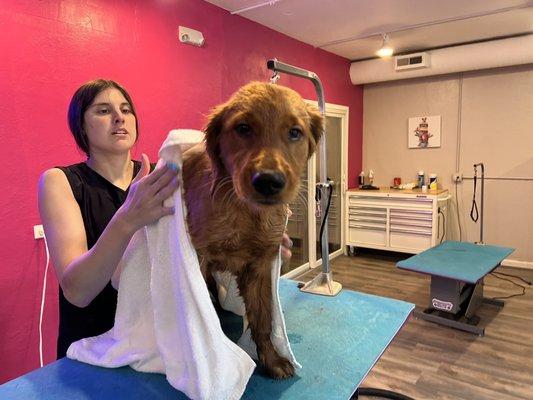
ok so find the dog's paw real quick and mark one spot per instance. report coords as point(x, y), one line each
point(277, 367)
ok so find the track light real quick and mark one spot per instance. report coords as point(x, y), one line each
point(385, 50)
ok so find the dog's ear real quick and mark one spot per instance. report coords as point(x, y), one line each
point(213, 130)
point(316, 125)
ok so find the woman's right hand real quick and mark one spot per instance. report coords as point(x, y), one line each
point(148, 191)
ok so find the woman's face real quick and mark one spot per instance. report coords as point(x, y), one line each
point(109, 123)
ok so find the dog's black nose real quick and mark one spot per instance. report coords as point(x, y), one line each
point(268, 182)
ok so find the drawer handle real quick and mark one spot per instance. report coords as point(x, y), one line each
point(406, 223)
point(367, 208)
point(368, 220)
point(411, 232)
point(374, 228)
point(411, 217)
point(406, 211)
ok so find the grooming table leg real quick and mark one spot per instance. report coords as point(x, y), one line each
point(454, 304)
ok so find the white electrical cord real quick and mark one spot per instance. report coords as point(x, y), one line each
point(42, 303)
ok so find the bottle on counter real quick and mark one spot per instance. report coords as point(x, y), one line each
point(361, 179)
point(432, 181)
point(421, 179)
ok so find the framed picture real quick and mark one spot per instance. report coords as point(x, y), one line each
point(424, 132)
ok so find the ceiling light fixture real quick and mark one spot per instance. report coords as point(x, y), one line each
point(385, 50)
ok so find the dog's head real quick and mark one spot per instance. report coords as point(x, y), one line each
point(262, 138)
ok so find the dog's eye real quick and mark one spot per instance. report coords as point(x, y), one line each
point(243, 129)
point(295, 134)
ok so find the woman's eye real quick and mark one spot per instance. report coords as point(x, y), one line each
point(103, 111)
point(126, 111)
point(243, 129)
point(295, 134)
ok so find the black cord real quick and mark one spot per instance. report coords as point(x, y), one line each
point(495, 274)
point(513, 276)
point(324, 219)
point(385, 394)
point(474, 213)
point(443, 225)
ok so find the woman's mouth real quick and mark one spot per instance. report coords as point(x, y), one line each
point(121, 131)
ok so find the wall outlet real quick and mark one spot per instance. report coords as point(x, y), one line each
point(38, 231)
point(457, 177)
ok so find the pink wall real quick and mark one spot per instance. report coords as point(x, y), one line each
point(50, 47)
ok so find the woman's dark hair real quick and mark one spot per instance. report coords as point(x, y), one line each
point(82, 99)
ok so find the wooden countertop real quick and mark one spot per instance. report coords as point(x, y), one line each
point(388, 190)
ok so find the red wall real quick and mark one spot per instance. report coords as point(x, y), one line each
point(50, 47)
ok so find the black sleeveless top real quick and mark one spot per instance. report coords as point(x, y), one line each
point(98, 199)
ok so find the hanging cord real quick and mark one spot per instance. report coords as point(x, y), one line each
point(443, 225)
point(42, 303)
point(495, 274)
point(474, 213)
point(317, 198)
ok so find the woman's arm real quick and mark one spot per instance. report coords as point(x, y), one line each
point(83, 273)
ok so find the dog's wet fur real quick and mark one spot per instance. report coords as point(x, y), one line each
point(237, 186)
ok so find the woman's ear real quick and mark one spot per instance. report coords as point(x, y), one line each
point(316, 125)
point(213, 130)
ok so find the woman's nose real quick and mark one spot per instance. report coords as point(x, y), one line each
point(119, 117)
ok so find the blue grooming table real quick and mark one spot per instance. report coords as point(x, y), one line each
point(457, 270)
point(336, 339)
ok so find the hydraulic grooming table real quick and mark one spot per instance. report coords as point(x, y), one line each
point(457, 270)
point(336, 339)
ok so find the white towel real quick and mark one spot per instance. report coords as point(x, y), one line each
point(165, 320)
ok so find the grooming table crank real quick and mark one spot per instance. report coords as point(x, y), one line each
point(457, 270)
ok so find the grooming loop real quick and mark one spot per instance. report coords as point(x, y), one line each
point(323, 283)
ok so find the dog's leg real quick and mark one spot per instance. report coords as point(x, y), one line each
point(255, 285)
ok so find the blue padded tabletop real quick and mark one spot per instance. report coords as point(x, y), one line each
point(336, 339)
point(465, 262)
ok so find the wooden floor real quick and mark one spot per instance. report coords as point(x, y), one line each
point(430, 361)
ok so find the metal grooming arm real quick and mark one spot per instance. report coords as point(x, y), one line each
point(322, 283)
point(482, 197)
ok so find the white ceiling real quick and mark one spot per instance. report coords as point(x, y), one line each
point(353, 28)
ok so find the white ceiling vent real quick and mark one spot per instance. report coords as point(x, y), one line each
point(411, 61)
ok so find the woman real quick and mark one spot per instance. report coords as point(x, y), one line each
point(90, 210)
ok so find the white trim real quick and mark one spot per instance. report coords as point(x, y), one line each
point(302, 269)
point(517, 264)
point(342, 112)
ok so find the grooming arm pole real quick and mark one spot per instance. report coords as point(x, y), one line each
point(323, 283)
point(482, 197)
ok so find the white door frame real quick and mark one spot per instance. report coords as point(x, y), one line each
point(342, 112)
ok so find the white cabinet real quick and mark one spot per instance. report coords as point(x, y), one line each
point(406, 221)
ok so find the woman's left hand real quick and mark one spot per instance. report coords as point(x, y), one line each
point(286, 245)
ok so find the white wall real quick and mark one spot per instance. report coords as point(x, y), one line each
point(487, 116)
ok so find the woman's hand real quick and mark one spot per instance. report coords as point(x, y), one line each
point(148, 191)
point(286, 244)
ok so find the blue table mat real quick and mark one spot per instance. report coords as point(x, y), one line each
point(336, 339)
point(465, 262)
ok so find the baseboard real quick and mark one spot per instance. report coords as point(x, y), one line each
point(517, 264)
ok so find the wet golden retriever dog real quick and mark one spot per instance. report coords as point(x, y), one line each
point(237, 186)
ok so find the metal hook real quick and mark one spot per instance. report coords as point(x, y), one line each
point(275, 78)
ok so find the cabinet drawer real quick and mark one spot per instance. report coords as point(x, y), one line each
point(408, 202)
point(360, 235)
point(405, 240)
point(411, 214)
point(367, 210)
point(410, 223)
